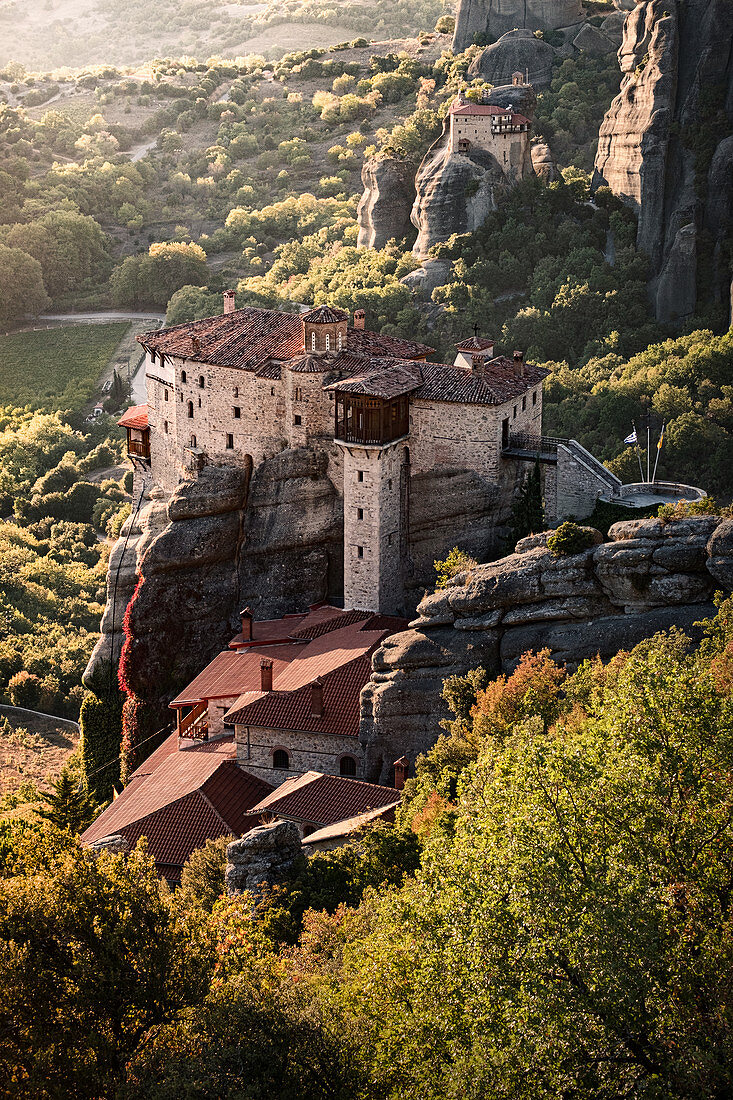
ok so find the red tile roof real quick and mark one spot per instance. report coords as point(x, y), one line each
point(476, 343)
point(350, 825)
point(235, 671)
point(386, 378)
point(251, 338)
point(135, 417)
point(324, 799)
point(325, 315)
point(193, 795)
point(498, 383)
point(472, 109)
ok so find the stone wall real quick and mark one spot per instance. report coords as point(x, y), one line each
point(307, 752)
point(571, 488)
point(649, 576)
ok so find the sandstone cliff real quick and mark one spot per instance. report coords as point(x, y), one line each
point(648, 577)
point(665, 146)
point(496, 17)
point(455, 192)
point(515, 51)
point(384, 209)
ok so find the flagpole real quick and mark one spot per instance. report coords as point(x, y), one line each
point(647, 450)
point(659, 448)
point(638, 450)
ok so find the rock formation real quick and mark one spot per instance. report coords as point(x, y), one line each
point(674, 110)
point(383, 212)
point(263, 857)
point(455, 192)
point(543, 162)
point(650, 576)
point(515, 51)
point(496, 17)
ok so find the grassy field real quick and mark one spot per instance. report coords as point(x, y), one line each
point(56, 368)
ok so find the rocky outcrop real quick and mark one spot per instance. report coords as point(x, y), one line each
point(496, 17)
point(674, 108)
point(457, 191)
point(649, 576)
point(383, 212)
point(593, 41)
point(262, 858)
point(515, 51)
point(543, 162)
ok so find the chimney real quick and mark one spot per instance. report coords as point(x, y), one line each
point(195, 344)
point(359, 318)
point(317, 698)
point(478, 366)
point(246, 618)
point(519, 364)
point(265, 674)
point(229, 305)
point(401, 768)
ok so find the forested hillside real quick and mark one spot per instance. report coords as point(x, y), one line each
point(549, 917)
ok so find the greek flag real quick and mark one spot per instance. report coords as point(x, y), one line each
point(631, 438)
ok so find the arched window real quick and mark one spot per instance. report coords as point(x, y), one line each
point(280, 759)
point(202, 381)
point(328, 341)
point(193, 440)
point(190, 410)
point(236, 391)
point(347, 765)
point(183, 376)
point(313, 341)
point(340, 339)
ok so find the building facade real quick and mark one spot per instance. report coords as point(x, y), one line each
point(253, 382)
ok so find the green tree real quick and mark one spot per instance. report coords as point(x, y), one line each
point(153, 278)
point(22, 292)
point(68, 806)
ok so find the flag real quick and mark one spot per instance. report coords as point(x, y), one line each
point(631, 438)
point(661, 439)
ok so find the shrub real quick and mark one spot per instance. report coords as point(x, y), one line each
point(569, 539)
point(706, 506)
point(25, 690)
point(458, 561)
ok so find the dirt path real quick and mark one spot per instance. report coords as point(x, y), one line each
point(37, 747)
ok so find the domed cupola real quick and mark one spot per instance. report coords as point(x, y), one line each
point(324, 329)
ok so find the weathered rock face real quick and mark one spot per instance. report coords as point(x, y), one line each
point(675, 102)
point(263, 857)
point(648, 577)
point(496, 17)
point(515, 51)
point(457, 191)
point(543, 162)
point(383, 212)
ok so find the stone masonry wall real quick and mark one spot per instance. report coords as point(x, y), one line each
point(648, 577)
point(307, 751)
point(571, 489)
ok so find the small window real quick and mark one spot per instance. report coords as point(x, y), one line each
point(165, 426)
point(360, 475)
point(328, 341)
point(181, 397)
point(183, 376)
point(347, 765)
point(193, 440)
point(340, 340)
point(534, 398)
point(237, 412)
point(190, 410)
point(167, 395)
point(236, 391)
point(360, 513)
point(297, 420)
point(313, 341)
point(514, 415)
point(389, 483)
point(360, 551)
point(524, 402)
point(298, 393)
point(199, 402)
point(272, 391)
point(230, 442)
point(280, 759)
point(202, 381)
point(389, 539)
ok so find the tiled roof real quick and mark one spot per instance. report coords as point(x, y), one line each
point(351, 825)
point(384, 378)
point(324, 620)
point(476, 343)
point(235, 671)
point(498, 383)
point(292, 709)
point(325, 799)
point(269, 630)
point(471, 109)
point(325, 654)
point(193, 795)
point(250, 338)
point(325, 315)
point(135, 417)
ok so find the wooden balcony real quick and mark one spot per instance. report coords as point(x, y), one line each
point(371, 420)
point(138, 443)
point(195, 726)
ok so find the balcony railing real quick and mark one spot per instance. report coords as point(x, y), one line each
point(139, 448)
point(195, 726)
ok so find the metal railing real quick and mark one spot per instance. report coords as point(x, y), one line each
point(534, 444)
